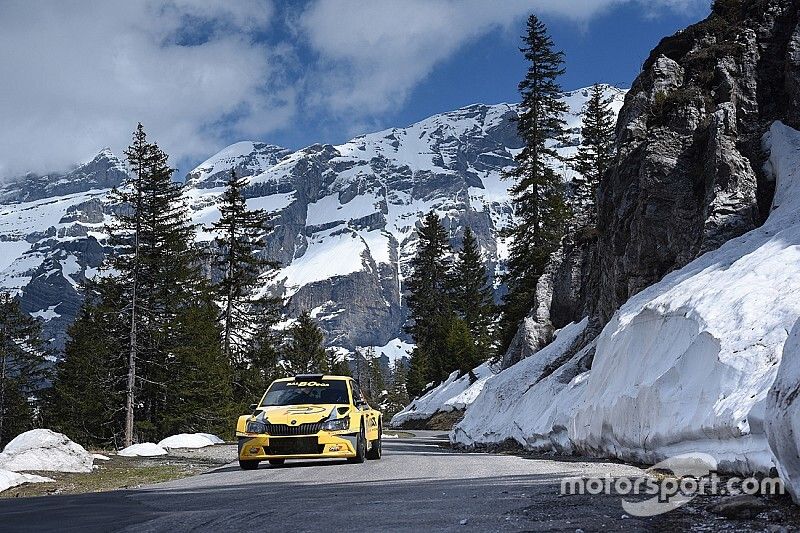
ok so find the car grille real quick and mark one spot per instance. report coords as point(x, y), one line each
point(285, 430)
point(294, 446)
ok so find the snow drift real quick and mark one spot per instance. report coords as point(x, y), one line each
point(45, 450)
point(10, 479)
point(190, 440)
point(683, 366)
point(144, 449)
point(455, 393)
point(783, 415)
point(515, 403)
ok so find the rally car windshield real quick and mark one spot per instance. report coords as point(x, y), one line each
point(301, 392)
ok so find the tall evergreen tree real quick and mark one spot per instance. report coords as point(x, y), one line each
point(461, 347)
point(473, 296)
point(538, 190)
point(22, 367)
point(304, 352)
point(594, 156)
point(155, 261)
point(397, 398)
point(429, 304)
point(261, 364)
point(240, 241)
point(88, 393)
point(336, 365)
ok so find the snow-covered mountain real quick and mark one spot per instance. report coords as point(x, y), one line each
point(344, 216)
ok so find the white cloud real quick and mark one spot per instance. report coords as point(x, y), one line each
point(78, 75)
point(374, 53)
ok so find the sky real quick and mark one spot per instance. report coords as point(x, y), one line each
point(201, 74)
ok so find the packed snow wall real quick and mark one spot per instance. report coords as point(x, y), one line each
point(684, 365)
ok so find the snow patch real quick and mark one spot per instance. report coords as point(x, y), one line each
point(10, 479)
point(190, 440)
point(45, 450)
point(521, 402)
point(454, 393)
point(145, 449)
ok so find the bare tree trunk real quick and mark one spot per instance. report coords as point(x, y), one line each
point(129, 397)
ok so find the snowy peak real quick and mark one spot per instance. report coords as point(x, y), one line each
point(247, 158)
point(103, 171)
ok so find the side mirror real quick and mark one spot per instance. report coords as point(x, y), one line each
point(253, 406)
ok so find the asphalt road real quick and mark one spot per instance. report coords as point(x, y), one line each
point(417, 486)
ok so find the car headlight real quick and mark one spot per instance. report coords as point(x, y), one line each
point(337, 425)
point(256, 427)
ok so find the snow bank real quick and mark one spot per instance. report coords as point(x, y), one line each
point(145, 449)
point(45, 450)
point(190, 440)
point(783, 415)
point(683, 366)
point(522, 402)
point(10, 479)
point(686, 365)
point(454, 393)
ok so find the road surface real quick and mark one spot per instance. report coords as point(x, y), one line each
point(417, 486)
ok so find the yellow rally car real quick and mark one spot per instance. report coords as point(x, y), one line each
point(309, 416)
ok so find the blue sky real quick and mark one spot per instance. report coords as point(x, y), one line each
point(201, 74)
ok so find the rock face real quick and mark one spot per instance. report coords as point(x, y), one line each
point(689, 172)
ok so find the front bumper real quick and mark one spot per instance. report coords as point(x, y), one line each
point(258, 447)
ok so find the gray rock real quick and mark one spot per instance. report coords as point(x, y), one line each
point(738, 507)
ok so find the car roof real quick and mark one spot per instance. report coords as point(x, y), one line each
point(318, 376)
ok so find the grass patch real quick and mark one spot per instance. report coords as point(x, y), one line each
point(117, 473)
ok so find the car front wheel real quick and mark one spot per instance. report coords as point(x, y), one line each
point(376, 451)
point(248, 465)
point(361, 447)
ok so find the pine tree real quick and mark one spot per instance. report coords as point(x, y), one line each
point(240, 242)
point(473, 296)
point(336, 365)
point(199, 397)
point(397, 397)
point(89, 389)
point(304, 352)
point(538, 191)
point(461, 346)
point(22, 367)
point(429, 304)
point(594, 156)
point(157, 265)
point(261, 364)
point(416, 379)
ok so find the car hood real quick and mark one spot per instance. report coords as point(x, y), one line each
point(299, 414)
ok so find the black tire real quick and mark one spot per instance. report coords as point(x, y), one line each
point(361, 447)
point(376, 450)
point(277, 461)
point(248, 465)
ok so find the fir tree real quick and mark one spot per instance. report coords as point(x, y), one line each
point(88, 393)
point(416, 378)
point(240, 242)
point(156, 263)
point(336, 365)
point(461, 347)
point(22, 367)
point(594, 156)
point(429, 304)
point(538, 191)
point(199, 396)
point(304, 352)
point(397, 397)
point(261, 364)
point(473, 296)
